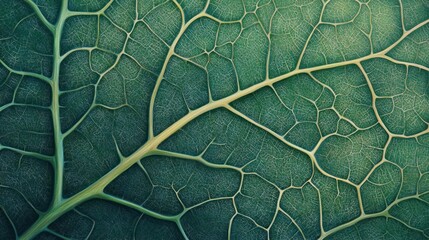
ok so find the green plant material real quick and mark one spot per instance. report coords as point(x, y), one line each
point(220, 119)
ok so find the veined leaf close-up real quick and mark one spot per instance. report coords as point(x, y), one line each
point(214, 119)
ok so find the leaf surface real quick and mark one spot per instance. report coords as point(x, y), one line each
point(220, 119)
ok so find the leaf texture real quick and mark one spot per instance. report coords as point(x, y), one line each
point(214, 119)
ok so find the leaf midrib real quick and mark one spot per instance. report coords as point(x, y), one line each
point(61, 206)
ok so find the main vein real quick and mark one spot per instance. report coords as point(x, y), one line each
point(61, 206)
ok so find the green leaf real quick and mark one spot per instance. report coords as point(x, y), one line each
point(214, 119)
